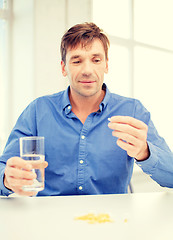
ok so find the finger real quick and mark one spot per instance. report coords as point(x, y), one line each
point(136, 132)
point(130, 149)
point(38, 164)
point(126, 137)
point(45, 164)
point(128, 120)
point(19, 182)
point(127, 129)
point(19, 173)
point(128, 132)
point(18, 162)
point(21, 192)
point(139, 151)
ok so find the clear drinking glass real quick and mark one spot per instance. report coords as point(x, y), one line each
point(32, 149)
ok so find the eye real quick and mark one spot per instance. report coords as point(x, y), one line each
point(76, 62)
point(97, 60)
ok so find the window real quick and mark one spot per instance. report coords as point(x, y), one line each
point(4, 70)
point(141, 54)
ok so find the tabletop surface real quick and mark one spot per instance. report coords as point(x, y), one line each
point(134, 216)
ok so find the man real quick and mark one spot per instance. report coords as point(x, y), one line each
point(82, 155)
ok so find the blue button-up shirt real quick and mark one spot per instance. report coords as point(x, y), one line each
point(84, 158)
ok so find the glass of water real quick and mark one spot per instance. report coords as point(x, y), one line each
point(32, 149)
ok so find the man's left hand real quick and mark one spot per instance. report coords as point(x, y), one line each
point(132, 136)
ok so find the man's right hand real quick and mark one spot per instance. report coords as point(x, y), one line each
point(17, 174)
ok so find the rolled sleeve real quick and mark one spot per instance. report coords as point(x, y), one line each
point(158, 166)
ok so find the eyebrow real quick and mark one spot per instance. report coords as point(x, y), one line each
point(74, 57)
point(98, 55)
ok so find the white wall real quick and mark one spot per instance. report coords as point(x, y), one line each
point(22, 56)
point(49, 26)
point(38, 26)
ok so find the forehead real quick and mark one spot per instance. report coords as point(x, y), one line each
point(94, 47)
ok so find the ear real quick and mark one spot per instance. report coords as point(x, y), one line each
point(64, 73)
point(106, 67)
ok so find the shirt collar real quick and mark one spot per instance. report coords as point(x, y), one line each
point(104, 103)
point(67, 105)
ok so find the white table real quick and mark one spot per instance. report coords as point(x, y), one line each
point(149, 216)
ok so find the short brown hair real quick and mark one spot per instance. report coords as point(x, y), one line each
point(82, 34)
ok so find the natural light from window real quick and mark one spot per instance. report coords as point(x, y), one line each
point(141, 54)
point(4, 70)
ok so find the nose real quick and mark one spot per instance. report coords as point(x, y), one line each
point(86, 68)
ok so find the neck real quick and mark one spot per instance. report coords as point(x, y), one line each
point(84, 106)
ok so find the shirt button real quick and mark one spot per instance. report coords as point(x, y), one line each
point(82, 136)
point(69, 107)
point(81, 161)
point(80, 188)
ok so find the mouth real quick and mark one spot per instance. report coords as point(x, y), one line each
point(87, 81)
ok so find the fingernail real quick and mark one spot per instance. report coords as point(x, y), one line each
point(109, 119)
